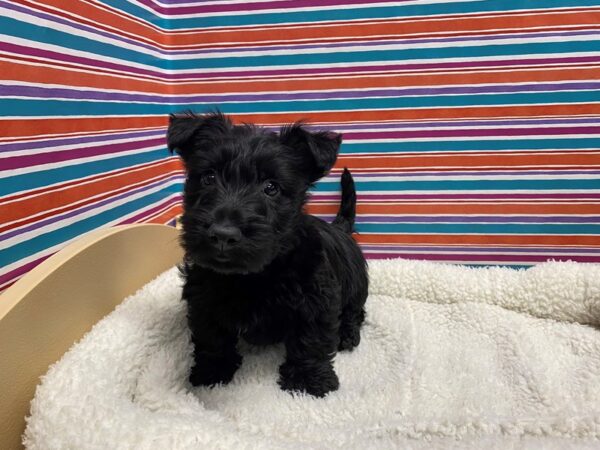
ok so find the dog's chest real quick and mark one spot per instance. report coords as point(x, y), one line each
point(244, 304)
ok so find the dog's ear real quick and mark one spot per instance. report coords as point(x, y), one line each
point(189, 132)
point(318, 150)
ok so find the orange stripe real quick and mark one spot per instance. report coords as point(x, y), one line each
point(61, 199)
point(282, 34)
point(470, 161)
point(487, 239)
point(391, 81)
point(461, 209)
point(168, 215)
point(31, 127)
point(422, 113)
point(23, 72)
point(95, 16)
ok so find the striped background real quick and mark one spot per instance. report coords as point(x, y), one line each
point(471, 126)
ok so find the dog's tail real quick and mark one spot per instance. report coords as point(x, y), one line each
point(347, 212)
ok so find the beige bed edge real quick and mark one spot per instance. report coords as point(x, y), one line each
point(57, 302)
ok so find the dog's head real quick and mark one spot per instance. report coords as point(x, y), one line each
point(245, 187)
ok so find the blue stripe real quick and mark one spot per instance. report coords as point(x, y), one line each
point(471, 228)
point(48, 177)
point(32, 108)
point(474, 185)
point(43, 241)
point(337, 14)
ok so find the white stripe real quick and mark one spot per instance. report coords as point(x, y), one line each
point(478, 252)
point(507, 192)
point(23, 237)
point(72, 52)
point(87, 145)
point(524, 177)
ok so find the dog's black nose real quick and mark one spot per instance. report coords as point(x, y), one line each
point(224, 234)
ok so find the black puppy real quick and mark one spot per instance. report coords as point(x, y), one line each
point(256, 265)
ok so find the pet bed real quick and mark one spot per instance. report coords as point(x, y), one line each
point(451, 357)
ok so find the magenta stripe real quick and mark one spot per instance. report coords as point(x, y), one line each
point(21, 270)
point(254, 6)
point(79, 60)
point(14, 162)
point(23, 50)
point(149, 212)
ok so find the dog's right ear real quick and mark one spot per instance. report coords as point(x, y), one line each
point(189, 132)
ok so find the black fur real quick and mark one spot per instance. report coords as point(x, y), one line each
point(257, 266)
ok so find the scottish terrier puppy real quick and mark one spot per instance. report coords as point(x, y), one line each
point(258, 267)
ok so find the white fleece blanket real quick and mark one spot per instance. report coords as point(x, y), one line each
point(451, 357)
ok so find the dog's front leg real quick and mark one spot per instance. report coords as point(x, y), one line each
point(310, 351)
point(215, 356)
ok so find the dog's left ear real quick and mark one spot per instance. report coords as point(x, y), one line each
point(319, 150)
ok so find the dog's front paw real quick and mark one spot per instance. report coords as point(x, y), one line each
point(211, 371)
point(314, 379)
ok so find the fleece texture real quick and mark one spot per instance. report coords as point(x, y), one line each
point(451, 357)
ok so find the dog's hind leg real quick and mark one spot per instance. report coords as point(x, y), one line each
point(351, 320)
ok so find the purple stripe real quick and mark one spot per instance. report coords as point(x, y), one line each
point(13, 48)
point(469, 196)
point(149, 212)
point(254, 6)
point(400, 248)
point(471, 219)
point(78, 60)
point(42, 92)
point(89, 207)
point(449, 173)
point(14, 146)
point(22, 270)
point(482, 258)
point(14, 162)
point(344, 127)
point(472, 133)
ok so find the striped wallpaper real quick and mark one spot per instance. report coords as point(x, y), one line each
point(471, 126)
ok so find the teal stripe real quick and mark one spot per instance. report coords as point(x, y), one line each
point(400, 56)
point(469, 228)
point(27, 30)
point(474, 185)
point(32, 108)
point(366, 12)
point(34, 32)
point(48, 177)
point(43, 241)
point(406, 146)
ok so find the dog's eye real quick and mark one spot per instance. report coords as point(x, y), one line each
point(271, 188)
point(208, 178)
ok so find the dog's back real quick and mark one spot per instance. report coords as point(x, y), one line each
point(346, 258)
